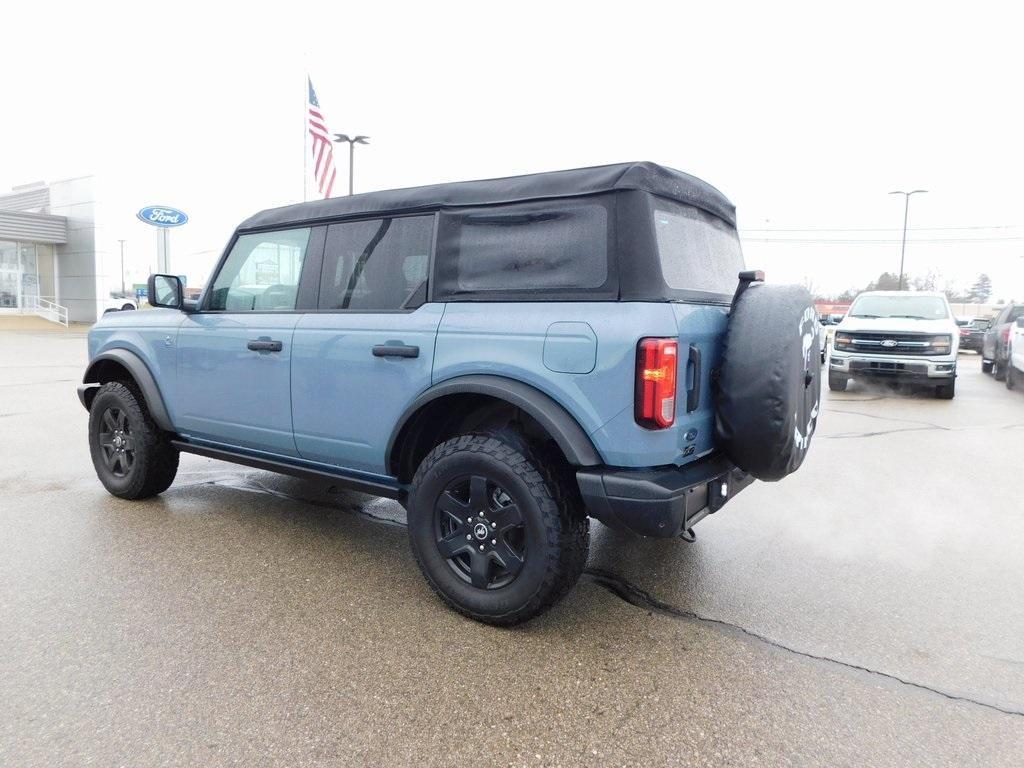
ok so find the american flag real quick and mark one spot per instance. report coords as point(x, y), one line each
point(321, 146)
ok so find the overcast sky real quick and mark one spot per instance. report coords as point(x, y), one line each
point(804, 115)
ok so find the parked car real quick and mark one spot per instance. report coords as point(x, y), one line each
point(1015, 354)
point(120, 304)
point(504, 357)
point(993, 350)
point(897, 336)
point(972, 333)
point(829, 321)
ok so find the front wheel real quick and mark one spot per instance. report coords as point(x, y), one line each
point(1011, 375)
point(498, 535)
point(132, 456)
point(986, 366)
point(946, 391)
point(837, 383)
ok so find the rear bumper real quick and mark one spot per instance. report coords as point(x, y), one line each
point(973, 343)
point(661, 502)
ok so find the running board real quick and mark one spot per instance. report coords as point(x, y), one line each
point(307, 473)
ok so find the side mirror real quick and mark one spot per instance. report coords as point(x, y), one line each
point(165, 291)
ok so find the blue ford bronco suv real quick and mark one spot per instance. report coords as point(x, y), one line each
point(506, 358)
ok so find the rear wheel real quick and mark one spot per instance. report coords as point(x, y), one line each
point(498, 535)
point(837, 383)
point(132, 456)
point(999, 370)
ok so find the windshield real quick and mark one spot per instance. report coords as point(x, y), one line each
point(910, 306)
point(698, 251)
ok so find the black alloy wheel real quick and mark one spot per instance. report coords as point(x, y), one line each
point(479, 530)
point(499, 532)
point(117, 442)
point(133, 457)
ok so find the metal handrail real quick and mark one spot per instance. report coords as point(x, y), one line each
point(49, 310)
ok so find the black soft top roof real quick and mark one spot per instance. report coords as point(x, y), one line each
point(647, 177)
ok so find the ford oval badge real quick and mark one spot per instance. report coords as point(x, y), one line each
point(889, 342)
point(162, 216)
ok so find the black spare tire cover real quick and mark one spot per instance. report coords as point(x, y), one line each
point(770, 380)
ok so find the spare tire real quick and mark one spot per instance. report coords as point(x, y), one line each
point(769, 383)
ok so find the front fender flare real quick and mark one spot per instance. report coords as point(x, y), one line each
point(143, 378)
point(570, 437)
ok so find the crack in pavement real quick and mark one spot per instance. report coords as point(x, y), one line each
point(628, 592)
point(849, 435)
point(639, 598)
point(892, 418)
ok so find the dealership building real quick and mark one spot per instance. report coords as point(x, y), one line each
point(49, 261)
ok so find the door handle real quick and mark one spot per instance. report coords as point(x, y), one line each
point(693, 393)
point(265, 345)
point(395, 350)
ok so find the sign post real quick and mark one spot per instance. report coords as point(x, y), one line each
point(163, 218)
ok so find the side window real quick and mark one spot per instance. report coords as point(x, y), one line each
point(375, 264)
point(261, 274)
point(1015, 312)
point(552, 246)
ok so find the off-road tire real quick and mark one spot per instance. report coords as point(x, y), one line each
point(999, 370)
point(155, 461)
point(986, 366)
point(556, 528)
point(946, 391)
point(837, 383)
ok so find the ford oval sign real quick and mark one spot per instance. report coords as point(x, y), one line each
point(162, 216)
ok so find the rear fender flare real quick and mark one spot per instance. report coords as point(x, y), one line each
point(570, 437)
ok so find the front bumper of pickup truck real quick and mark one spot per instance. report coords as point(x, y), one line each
point(893, 367)
point(661, 502)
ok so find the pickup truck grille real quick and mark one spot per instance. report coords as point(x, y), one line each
point(891, 343)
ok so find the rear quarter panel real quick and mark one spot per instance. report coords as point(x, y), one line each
point(510, 339)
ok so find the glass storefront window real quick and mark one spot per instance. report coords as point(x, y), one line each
point(26, 273)
point(10, 275)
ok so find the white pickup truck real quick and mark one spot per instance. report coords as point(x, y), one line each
point(898, 336)
point(1015, 354)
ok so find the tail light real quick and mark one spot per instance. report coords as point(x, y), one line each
point(655, 402)
point(1006, 335)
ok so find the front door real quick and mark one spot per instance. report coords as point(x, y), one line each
point(234, 356)
point(368, 351)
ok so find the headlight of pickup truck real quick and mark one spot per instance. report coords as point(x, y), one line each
point(843, 342)
point(941, 344)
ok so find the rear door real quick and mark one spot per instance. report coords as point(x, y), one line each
point(234, 356)
point(367, 352)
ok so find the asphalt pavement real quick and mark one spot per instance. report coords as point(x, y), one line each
point(865, 611)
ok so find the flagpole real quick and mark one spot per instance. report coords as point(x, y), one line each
point(305, 120)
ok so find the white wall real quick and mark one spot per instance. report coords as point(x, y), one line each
point(79, 267)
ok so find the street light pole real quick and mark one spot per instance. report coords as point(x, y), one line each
point(122, 266)
point(352, 141)
point(906, 212)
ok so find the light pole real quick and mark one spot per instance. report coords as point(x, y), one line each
point(122, 267)
point(906, 210)
point(352, 141)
